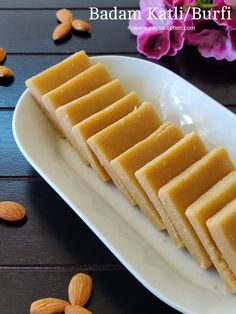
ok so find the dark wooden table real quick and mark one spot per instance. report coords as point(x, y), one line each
point(38, 258)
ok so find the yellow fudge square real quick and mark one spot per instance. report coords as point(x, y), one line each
point(78, 110)
point(178, 194)
point(205, 207)
point(126, 164)
point(120, 136)
point(78, 86)
point(222, 227)
point(57, 75)
point(99, 121)
point(164, 168)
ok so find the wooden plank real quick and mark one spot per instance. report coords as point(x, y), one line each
point(215, 78)
point(12, 162)
point(232, 108)
point(24, 67)
point(29, 31)
point(52, 235)
point(114, 292)
point(221, 87)
point(45, 4)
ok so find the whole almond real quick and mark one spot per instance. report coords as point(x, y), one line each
point(81, 26)
point(3, 54)
point(80, 288)
point(64, 15)
point(5, 73)
point(76, 309)
point(61, 31)
point(11, 211)
point(48, 306)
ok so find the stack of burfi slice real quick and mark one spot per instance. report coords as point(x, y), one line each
point(175, 181)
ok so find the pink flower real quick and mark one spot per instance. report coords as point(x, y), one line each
point(215, 43)
point(232, 22)
point(176, 36)
point(215, 38)
point(179, 3)
point(155, 44)
point(136, 26)
point(157, 38)
point(160, 37)
point(139, 26)
point(231, 3)
point(145, 4)
point(224, 22)
point(232, 38)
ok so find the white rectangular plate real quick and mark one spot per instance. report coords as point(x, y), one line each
point(169, 273)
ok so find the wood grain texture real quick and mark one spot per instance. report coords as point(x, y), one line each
point(39, 256)
point(115, 292)
point(220, 87)
point(30, 31)
point(52, 235)
point(12, 162)
point(215, 78)
point(45, 4)
point(25, 66)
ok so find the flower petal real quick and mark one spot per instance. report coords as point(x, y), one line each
point(213, 44)
point(232, 38)
point(232, 22)
point(179, 3)
point(231, 3)
point(176, 37)
point(137, 26)
point(154, 44)
point(217, 11)
point(145, 4)
point(216, 44)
